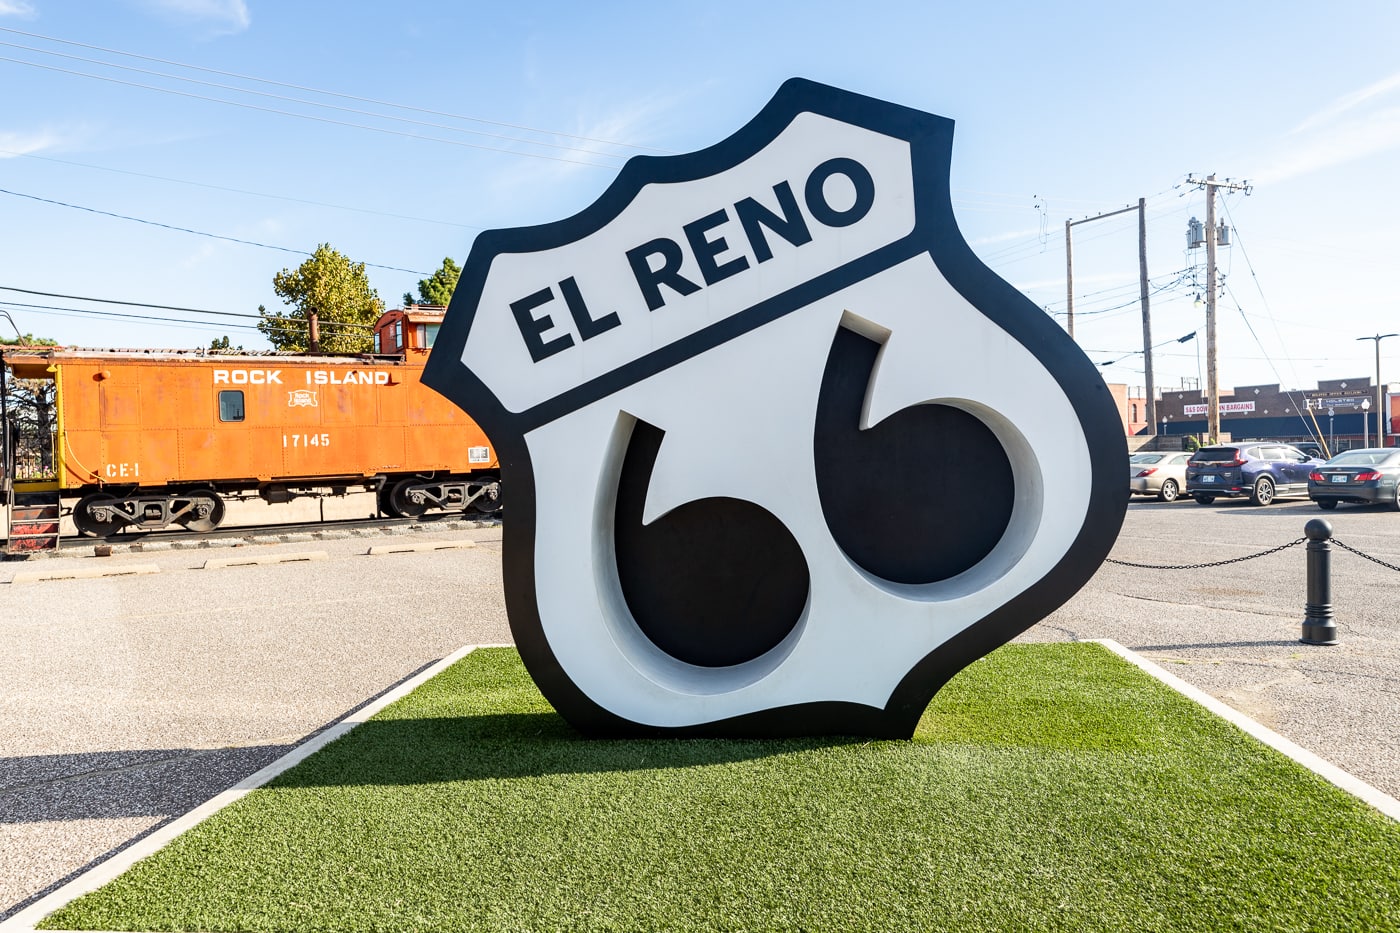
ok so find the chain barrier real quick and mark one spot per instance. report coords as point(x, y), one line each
point(1236, 560)
point(1216, 563)
point(1374, 560)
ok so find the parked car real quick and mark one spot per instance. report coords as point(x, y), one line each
point(1260, 470)
point(1369, 474)
point(1157, 474)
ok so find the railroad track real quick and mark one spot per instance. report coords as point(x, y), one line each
point(263, 534)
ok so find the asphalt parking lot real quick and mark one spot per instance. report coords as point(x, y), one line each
point(127, 700)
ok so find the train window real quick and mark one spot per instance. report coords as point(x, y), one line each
point(432, 334)
point(231, 405)
point(398, 335)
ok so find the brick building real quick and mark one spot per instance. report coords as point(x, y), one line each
point(1332, 411)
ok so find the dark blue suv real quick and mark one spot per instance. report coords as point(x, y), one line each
point(1260, 470)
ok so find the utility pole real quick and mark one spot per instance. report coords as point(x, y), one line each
point(1211, 236)
point(1069, 280)
point(1380, 397)
point(1149, 388)
point(313, 328)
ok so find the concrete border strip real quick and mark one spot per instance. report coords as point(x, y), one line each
point(27, 920)
point(1324, 769)
point(85, 573)
point(378, 549)
point(215, 563)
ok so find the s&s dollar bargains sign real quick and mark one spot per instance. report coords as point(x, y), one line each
point(781, 454)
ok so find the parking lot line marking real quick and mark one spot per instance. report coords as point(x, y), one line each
point(1319, 766)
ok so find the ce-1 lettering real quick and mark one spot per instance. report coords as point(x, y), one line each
point(123, 470)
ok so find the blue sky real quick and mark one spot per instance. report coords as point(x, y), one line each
point(524, 113)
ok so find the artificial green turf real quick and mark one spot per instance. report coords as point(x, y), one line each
point(1049, 787)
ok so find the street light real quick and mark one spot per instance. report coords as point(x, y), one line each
point(1380, 402)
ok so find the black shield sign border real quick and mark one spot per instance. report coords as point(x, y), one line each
point(936, 234)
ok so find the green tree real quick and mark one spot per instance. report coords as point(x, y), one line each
point(338, 291)
point(438, 289)
point(219, 344)
point(28, 340)
point(30, 405)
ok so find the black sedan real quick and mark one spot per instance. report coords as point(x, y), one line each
point(1367, 475)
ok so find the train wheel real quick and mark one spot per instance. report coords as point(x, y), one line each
point(401, 500)
point(386, 500)
point(206, 511)
point(94, 517)
point(489, 502)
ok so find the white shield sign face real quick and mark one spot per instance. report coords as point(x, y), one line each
point(782, 455)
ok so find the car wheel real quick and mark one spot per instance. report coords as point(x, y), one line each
point(1328, 504)
point(1169, 491)
point(1263, 491)
point(1395, 503)
point(1204, 499)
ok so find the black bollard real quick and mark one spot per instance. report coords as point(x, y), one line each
point(1318, 627)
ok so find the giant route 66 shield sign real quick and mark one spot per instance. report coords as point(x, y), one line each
point(780, 454)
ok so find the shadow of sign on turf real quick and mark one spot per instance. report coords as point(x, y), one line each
point(410, 752)
point(784, 455)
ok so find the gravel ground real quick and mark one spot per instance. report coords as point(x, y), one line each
point(125, 701)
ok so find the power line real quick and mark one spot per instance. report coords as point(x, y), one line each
point(289, 322)
point(298, 87)
point(269, 317)
point(58, 311)
point(212, 236)
point(130, 304)
point(256, 194)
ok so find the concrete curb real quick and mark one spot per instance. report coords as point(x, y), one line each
point(214, 563)
point(417, 548)
point(86, 573)
point(1353, 785)
point(27, 920)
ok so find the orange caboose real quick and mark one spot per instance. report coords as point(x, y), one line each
point(150, 438)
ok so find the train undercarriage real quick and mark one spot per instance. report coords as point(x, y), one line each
point(101, 513)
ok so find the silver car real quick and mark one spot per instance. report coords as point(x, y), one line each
point(1160, 474)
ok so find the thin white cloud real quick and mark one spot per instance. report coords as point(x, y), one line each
point(1348, 102)
point(27, 142)
point(222, 17)
point(1004, 237)
point(20, 8)
point(1375, 132)
point(635, 124)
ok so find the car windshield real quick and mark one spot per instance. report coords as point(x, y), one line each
point(1360, 458)
point(1214, 455)
point(1144, 458)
